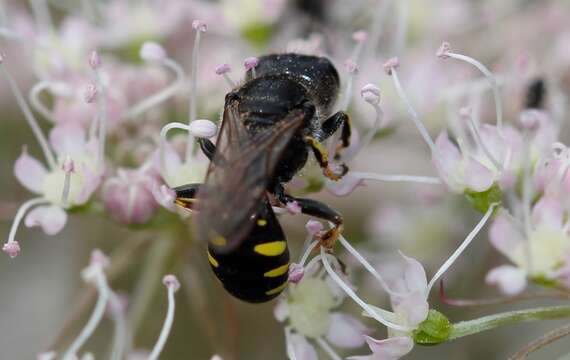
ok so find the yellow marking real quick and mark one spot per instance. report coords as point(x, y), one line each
point(261, 222)
point(276, 290)
point(277, 271)
point(184, 202)
point(219, 241)
point(319, 147)
point(213, 261)
point(273, 248)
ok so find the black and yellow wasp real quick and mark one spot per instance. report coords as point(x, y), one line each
point(270, 124)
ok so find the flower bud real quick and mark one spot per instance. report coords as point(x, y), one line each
point(203, 128)
point(170, 281)
point(128, 197)
point(152, 52)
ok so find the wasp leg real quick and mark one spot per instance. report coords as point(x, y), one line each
point(208, 148)
point(323, 159)
point(319, 210)
point(332, 124)
point(186, 195)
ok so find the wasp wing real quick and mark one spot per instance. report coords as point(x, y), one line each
point(238, 177)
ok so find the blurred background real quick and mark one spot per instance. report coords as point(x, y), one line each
point(43, 301)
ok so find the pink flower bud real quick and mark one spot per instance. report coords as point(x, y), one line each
point(370, 93)
point(90, 93)
point(94, 60)
point(293, 207)
point(250, 63)
point(98, 258)
point(152, 52)
point(223, 69)
point(350, 67)
point(360, 36)
point(530, 119)
point(296, 273)
point(128, 197)
point(313, 227)
point(12, 249)
point(392, 63)
point(443, 51)
point(199, 25)
point(68, 165)
point(203, 128)
point(170, 281)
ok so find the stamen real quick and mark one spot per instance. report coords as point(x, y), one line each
point(307, 253)
point(36, 103)
point(68, 167)
point(95, 63)
point(368, 267)
point(444, 52)
point(172, 284)
point(12, 247)
point(153, 52)
point(121, 332)
point(371, 94)
point(465, 113)
point(93, 274)
point(223, 70)
point(200, 28)
point(250, 64)
point(355, 297)
point(328, 349)
point(447, 264)
point(397, 178)
point(40, 137)
point(390, 68)
point(288, 345)
point(42, 15)
point(200, 128)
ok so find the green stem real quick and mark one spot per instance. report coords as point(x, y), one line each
point(485, 323)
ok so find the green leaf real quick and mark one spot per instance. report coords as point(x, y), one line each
point(481, 201)
point(433, 330)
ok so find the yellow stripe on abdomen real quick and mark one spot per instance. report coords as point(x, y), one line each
point(273, 248)
point(277, 271)
point(212, 261)
point(276, 290)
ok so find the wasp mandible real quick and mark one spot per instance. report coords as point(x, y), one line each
point(270, 124)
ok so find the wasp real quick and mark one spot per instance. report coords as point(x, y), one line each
point(270, 125)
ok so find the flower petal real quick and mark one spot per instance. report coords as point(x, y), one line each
point(413, 308)
point(30, 172)
point(90, 183)
point(68, 138)
point(477, 176)
point(450, 155)
point(346, 331)
point(510, 280)
point(414, 275)
point(52, 218)
point(387, 349)
point(301, 348)
point(548, 211)
point(504, 234)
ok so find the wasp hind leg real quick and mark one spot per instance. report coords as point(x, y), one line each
point(323, 159)
point(332, 124)
point(319, 210)
point(186, 195)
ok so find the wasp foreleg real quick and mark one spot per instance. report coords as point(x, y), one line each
point(332, 124)
point(323, 159)
point(208, 148)
point(186, 195)
point(319, 210)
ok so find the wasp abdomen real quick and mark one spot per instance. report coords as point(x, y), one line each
point(256, 271)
